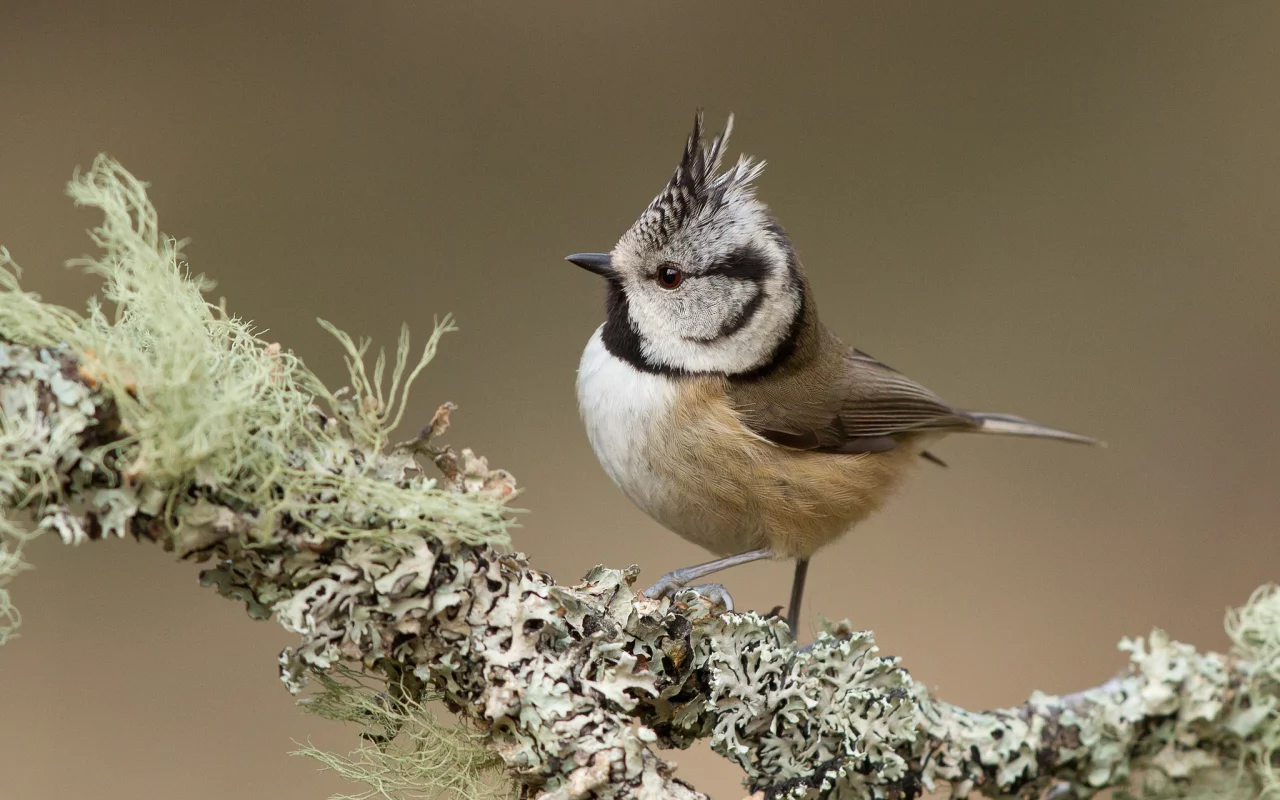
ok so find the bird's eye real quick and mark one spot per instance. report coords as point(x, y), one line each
point(669, 277)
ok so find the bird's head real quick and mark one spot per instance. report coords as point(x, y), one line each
point(705, 281)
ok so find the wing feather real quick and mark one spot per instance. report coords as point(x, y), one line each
point(865, 407)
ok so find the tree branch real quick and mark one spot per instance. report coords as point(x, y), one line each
point(308, 517)
point(574, 684)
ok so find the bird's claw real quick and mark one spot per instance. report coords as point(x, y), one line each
point(667, 586)
point(671, 585)
point(713, 593)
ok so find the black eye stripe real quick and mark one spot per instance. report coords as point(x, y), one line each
point(744, 264)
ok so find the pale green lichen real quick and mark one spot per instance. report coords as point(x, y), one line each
point(810, 720)
point(207, 410)
point(405, 752)
point(1255, 632)
point(34, 447)
point(837, 720)
point(161, 415)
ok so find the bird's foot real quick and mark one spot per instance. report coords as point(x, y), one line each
point(673, 583)
point(667, 586)
point(713, 593)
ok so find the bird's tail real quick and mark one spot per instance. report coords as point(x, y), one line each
point(1009, 425)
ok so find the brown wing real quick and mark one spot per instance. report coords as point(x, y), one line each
point(858, 405)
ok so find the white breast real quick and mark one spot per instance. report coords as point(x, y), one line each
point(619, 406)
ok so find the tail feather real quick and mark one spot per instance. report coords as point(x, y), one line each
point(1009, 425)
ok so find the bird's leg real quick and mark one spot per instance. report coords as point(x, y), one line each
point(673, 581)
point(797, 594)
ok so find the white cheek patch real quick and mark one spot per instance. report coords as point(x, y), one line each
point(701, 310)
point(739, 298)
point(747, 348)
point(717, 309)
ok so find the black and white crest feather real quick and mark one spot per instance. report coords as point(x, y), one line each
point(695, 191)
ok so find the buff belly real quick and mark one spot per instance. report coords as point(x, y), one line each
point(680, 453)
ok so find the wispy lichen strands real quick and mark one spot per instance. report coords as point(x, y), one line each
point(404, 750)
point(377, 415)
point(384, 570)
point(24, 318)
point(204, 402)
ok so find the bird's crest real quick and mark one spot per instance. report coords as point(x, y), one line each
point(695, 192)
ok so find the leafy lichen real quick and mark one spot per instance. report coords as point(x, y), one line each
point(34, 450)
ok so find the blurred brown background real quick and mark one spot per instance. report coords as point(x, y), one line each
point(1067, 211)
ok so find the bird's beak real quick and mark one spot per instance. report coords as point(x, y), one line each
point(599, 263)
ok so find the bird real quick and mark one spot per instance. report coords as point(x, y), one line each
point(720, 404)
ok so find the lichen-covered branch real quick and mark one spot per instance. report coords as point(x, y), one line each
point(172, 422)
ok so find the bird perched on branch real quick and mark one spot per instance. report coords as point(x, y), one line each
point(719, 403)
